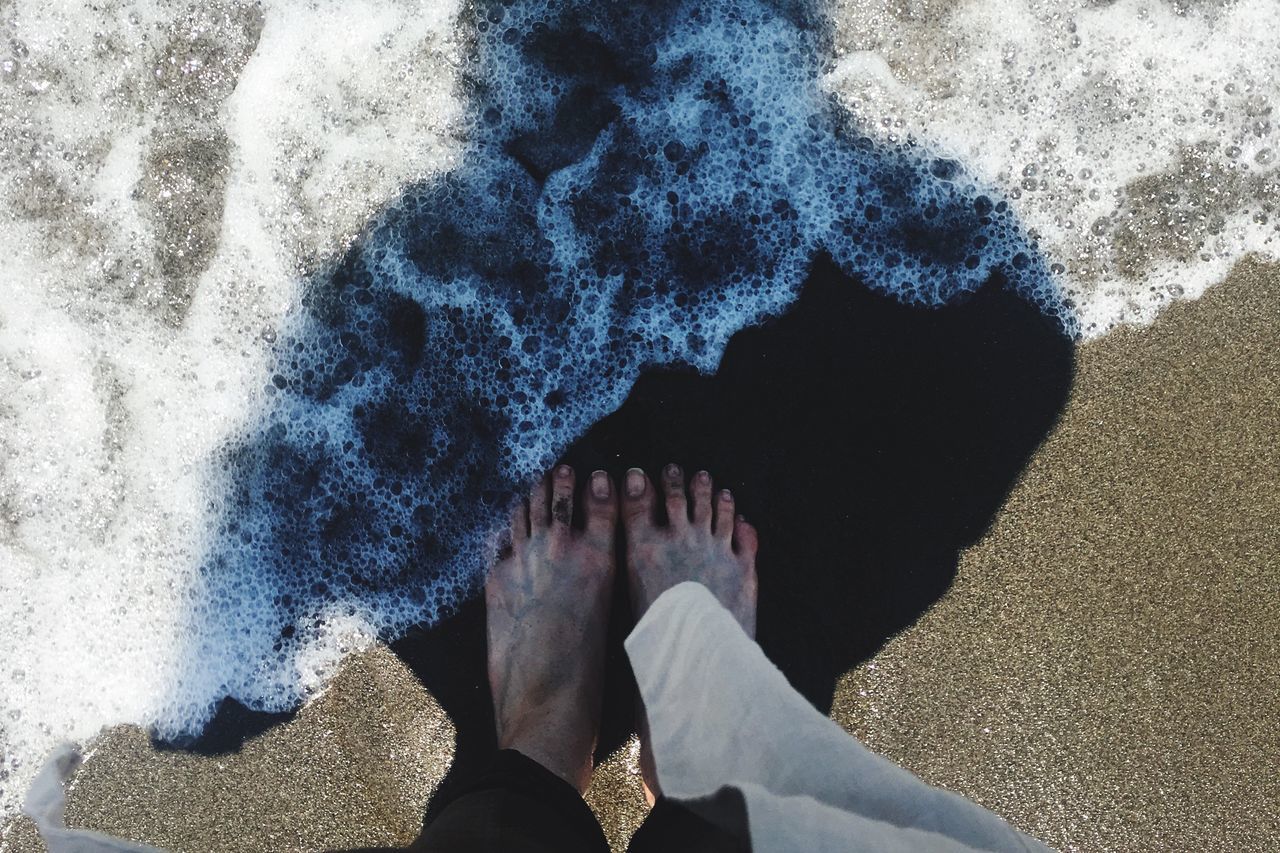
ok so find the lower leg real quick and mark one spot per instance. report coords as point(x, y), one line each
point(547, 607)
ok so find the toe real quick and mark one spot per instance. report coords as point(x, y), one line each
point(724, 515)
point(561, 499)
point(700, 500)
point(745, 539)
point(673, 493)
point(520, 521)
point(637, 501)
point(540, 505)
point(601, 506)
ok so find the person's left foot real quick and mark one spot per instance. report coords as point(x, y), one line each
point(548, 608)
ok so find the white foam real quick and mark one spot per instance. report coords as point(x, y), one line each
point(121, 371)
point(1135, 138)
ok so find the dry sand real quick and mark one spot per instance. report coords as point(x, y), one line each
point(1103, 672)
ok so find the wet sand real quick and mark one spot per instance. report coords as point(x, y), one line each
point(1102, 671)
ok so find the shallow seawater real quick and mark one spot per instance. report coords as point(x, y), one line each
point(295, 298)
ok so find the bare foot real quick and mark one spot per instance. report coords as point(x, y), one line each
point(548, 606)
point(704, 541)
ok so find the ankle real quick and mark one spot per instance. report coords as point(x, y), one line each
point(574, 769)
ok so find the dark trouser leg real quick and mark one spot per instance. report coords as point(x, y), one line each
point(672, 827)
point(517, 805)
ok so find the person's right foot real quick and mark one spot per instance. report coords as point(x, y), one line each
point(703, 541)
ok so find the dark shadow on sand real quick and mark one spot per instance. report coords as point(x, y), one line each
point(868, 441)
point(232, 725)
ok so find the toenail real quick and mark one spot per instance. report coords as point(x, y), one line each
point(600, 484)
point(635, 482)
point(564, 471)
point(673, 470)
point(704, 477)
point(726, 495)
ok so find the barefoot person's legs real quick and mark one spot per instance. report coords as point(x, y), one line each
point(725, 732)
point(547, 605)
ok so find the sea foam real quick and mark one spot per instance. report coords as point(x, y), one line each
point(166, 179)
point(295, 295)
point(1135, 138)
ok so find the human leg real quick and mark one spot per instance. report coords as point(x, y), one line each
point(515, 806)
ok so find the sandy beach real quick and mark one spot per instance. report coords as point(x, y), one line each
point(1101, 673)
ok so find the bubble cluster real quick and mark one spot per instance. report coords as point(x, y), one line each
point(639, 182)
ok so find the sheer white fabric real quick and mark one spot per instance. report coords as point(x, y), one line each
point(45, 804)
point(721, 716)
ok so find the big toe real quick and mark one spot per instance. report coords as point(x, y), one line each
point(562, 488)
point(638, 497)
point(600, 505)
